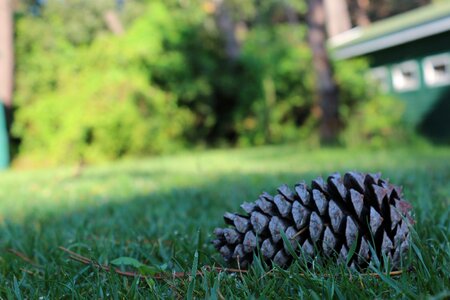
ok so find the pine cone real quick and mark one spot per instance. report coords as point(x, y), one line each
point(326, 219)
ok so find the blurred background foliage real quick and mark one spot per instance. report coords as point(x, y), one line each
point(166, 82)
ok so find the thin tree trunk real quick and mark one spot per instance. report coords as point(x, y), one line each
point(291, 14)
point(227, 27)
point(6, 53)
point(327, 90)
point(362, 9)
point(113, 22)
point(337, 17)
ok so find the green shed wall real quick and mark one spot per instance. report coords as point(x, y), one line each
point(427, 108)
point(4, 148)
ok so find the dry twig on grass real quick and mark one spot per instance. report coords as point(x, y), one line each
point(160, 276)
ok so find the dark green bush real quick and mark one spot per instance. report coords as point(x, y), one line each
point(275, 93)
point(371, 118)
point(377, 122)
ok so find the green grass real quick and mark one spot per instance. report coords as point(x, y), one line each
point(163, 210)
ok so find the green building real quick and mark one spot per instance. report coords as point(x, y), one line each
point(4, 149)
point(409, 55)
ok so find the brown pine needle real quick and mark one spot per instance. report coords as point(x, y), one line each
point(87, 261)
point(72, 253)
point(27, 271)
point(298, 233)
point(239, 267)
point(159, 276)
point(24, 257)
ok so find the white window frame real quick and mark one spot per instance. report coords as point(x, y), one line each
point(400, 82)
point(429, 68)
point(380, 75)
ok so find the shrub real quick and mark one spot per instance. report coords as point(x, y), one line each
point(277, 94)
point(102, 104)
point(167, 83)
point(377, 123)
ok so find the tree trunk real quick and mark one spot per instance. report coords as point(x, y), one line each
point(337, 17)
point(6, 77)
point(291, 14)
point(362, 9)
point(113, 22)
point(6, 53)
point(327, 91)
point(227, 27)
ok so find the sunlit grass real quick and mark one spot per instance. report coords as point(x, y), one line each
point(151, 210)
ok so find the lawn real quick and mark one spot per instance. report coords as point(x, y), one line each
point(161, 211)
